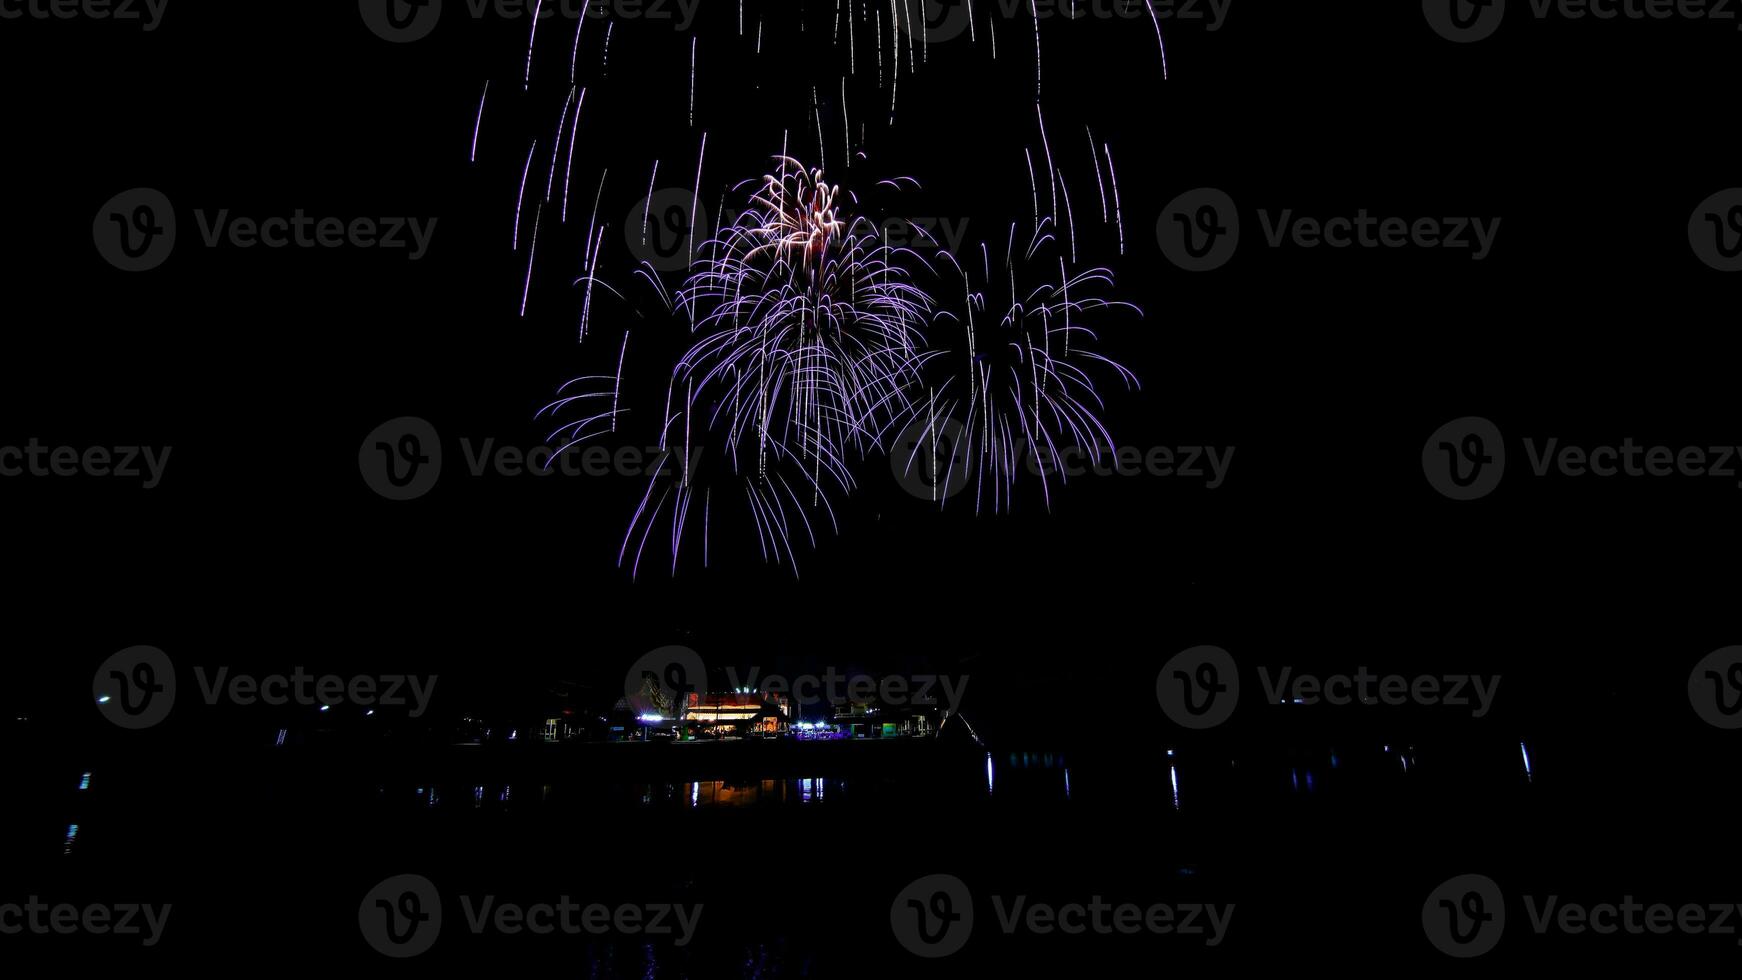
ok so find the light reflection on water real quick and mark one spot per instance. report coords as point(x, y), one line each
point(1020, 776)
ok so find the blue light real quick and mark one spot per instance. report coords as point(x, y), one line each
point(326, 707)
point(103, 700)
point(85, 781)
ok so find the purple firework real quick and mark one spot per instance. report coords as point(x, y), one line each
point(814, 344)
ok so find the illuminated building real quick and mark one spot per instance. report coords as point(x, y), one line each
point(737, 712)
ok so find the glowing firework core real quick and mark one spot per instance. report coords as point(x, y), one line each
point(801, 214)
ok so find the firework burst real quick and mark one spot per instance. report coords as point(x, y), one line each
point(810, 344)
point(1023, 388)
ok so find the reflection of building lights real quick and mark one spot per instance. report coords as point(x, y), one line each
point(652, 719)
